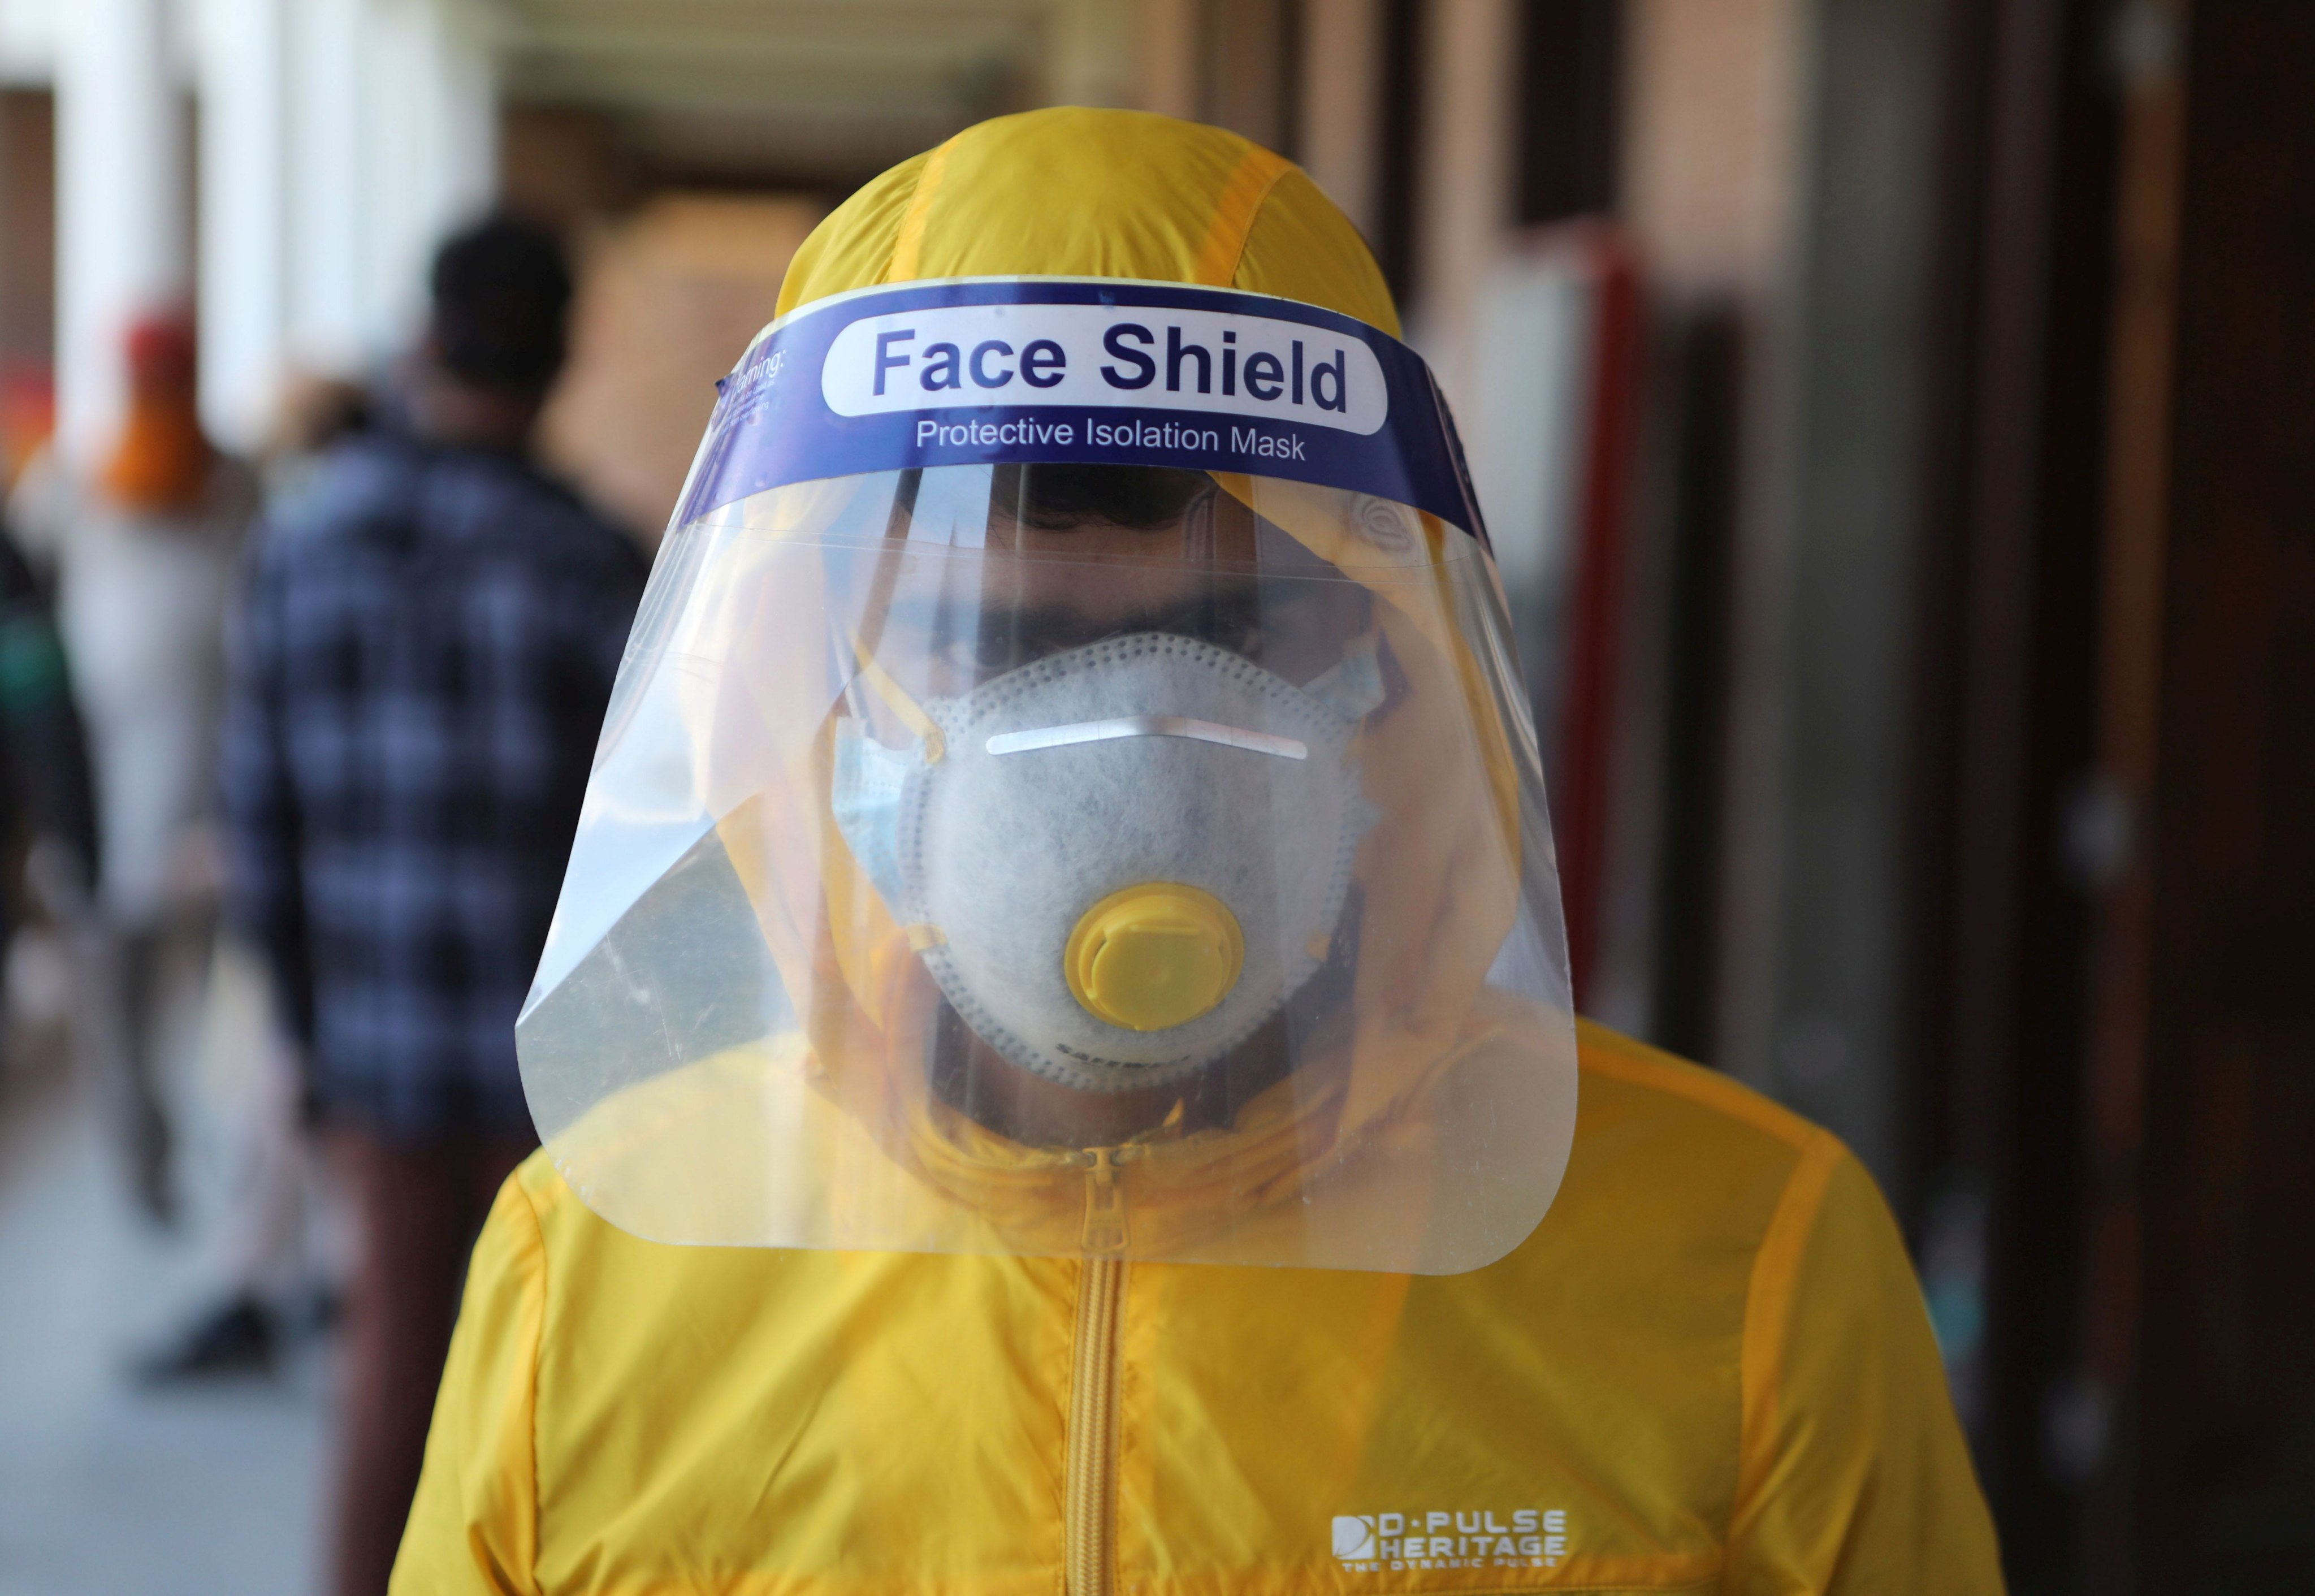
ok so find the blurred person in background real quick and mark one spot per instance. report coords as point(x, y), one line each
point(279, 1273)
point(313, 413)
point(47, 804)
point(144, 554)
point(428, 643)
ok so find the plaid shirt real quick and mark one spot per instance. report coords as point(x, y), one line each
point(424, 655)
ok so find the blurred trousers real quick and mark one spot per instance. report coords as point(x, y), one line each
point(417, 1210)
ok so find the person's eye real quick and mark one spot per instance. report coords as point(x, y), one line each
point(1232, 627)
point(983, 652)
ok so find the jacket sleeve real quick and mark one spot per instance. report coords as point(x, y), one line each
point(474, 1527)
point(1854, 1477)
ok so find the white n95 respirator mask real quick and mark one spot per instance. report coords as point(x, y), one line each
point(1120, 861)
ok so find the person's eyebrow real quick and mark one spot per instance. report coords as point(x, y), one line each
point(933, 619)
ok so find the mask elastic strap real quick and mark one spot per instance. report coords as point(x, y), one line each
point(895, 698)
point(1352, 687)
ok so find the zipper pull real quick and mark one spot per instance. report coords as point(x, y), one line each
point(1105, 1234)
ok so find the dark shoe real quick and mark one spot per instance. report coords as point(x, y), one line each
point(237, 1339)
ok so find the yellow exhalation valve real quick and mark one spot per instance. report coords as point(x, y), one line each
point(1154, 956)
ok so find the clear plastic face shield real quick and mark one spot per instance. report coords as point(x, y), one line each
point(1085, 822)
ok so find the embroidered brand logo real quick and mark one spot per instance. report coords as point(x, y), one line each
point(1525, 1537)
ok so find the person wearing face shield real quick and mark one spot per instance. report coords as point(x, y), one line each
point(1055, 1061)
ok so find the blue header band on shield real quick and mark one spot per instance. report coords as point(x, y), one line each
point(981, 371)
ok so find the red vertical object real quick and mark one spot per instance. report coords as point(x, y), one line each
point(1596, 631)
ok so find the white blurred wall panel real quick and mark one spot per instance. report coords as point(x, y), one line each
point(28, 41)
point(1465, 211)
point(1532, 356)
point(341, 139)
point(121, 201)
point(247, 135)
point(430, 135)
point(1526, 431)
point(328, 215)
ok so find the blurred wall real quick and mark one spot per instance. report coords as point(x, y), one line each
point(1830, 763)
point(28, 299)
point(669, 297)
point(1712, 134)
point(28, 154)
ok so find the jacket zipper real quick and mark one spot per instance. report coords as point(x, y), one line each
point(1090, 1492)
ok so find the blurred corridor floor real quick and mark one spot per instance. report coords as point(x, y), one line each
point(105, 1489)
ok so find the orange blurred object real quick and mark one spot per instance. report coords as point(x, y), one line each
point(163, 461)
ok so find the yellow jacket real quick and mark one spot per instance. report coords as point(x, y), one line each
point(1708, 1369)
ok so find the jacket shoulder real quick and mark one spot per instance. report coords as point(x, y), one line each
point(354, 485)
point(541, 1188)
point(386, 490)
point(1631, 1080)
point(1709, 1171)
point(570, 529)
point(575, 1239)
